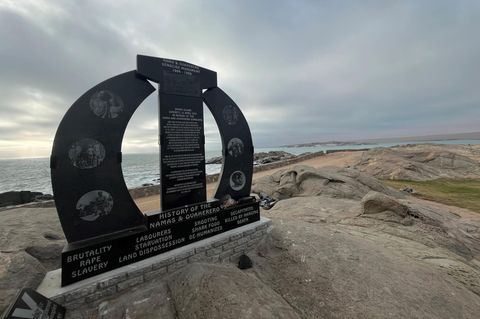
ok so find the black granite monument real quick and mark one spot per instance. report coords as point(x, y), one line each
point(103, 226)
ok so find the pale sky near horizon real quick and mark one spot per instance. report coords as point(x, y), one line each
point(301, 71)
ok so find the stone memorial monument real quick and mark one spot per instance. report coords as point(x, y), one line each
point(104, 228)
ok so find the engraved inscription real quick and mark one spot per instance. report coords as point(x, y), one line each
point(193, 222)
point(88, 261)
point(180, 78)
point(182, 129)
point(183, 153)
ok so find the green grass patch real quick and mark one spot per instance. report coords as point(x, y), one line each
point(461, 193)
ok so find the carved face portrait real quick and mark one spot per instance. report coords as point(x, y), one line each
point(106, 104)
point(230, 115)
point(86, 153)
point(237, 180)
point(94, 204)
point(235, 147)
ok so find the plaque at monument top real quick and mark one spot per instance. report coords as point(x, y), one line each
point(103, 226)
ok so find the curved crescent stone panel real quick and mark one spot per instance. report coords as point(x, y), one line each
point(237, 145)
point(91, 196)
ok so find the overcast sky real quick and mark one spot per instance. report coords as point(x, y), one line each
point(301, 71)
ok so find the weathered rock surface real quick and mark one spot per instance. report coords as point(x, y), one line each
point(355, 249)
point(308, 181)
point(198, 291)
point(328, 260)
point(335, 257)
point(142, 302)
point(421, 162)
point(17, 270)
point(36, 230)
point(31, 243)
point(225, 292)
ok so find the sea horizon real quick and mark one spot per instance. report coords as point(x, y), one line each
point(433, 138)
point(33, 173)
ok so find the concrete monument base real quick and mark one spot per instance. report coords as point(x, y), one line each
point(227, 246)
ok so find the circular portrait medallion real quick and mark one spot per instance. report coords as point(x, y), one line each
point(235, 147)
point(106, 104)
point(237, 180)
point(94, 204)
point(230, 114)
point(86, 153)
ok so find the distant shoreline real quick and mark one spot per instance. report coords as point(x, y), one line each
point(473, 136)
point(33, 174)
point(354, 158)
point(373, 141)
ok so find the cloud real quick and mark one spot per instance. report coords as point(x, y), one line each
point(301, 71)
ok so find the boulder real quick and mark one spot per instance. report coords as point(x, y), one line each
point(17, 198)
point(303, 180)
point(374, 203)
point(386, 208)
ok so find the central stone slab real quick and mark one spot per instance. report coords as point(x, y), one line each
point(182, 152)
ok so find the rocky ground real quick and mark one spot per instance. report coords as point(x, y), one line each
point(342, 245)
point(31, 242)
point(421, 162)
point(260, 158)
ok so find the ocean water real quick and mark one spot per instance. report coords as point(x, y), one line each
point(33, 174)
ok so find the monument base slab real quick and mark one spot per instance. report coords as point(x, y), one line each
point(226, 246)
point(167, 230)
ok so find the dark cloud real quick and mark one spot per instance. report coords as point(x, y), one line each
point(301, 70)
